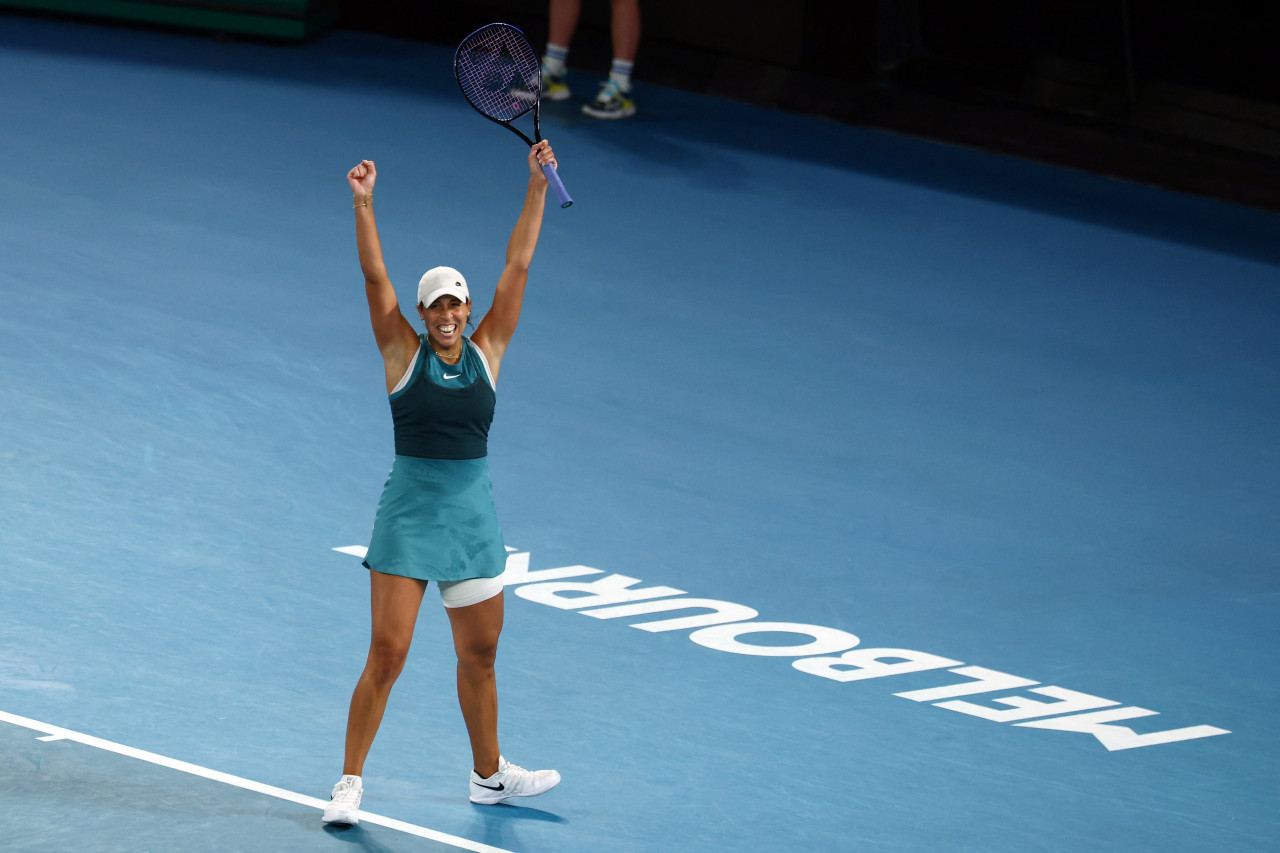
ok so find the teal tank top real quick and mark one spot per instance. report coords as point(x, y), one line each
point(443, 411)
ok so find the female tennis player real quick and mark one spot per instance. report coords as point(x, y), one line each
point(436, 519)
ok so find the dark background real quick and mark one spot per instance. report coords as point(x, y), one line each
point(1175, 93)
point(1181, 94)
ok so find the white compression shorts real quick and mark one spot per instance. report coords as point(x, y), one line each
point(470, 591)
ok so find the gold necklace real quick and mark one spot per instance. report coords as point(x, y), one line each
point(445, 356)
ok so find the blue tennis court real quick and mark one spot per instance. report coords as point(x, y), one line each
point(862, 492)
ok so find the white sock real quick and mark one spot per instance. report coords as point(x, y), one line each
point(620, 74)
point(555, 59)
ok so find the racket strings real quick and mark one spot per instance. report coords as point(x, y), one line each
point(498, 72)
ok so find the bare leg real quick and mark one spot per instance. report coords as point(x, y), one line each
point(625, 29)
point(394, 602)
point(563, 20)
point(475, 639)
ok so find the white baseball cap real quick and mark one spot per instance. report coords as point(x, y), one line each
point(442, 281)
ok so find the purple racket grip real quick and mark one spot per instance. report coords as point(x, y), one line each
point(557, 185)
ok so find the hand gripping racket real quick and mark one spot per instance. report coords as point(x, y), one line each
point(501, 77)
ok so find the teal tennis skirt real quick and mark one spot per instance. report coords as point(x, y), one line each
point(436, 522)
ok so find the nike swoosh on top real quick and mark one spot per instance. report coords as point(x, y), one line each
point(454, 376)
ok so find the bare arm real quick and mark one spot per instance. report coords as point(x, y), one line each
point(499, 324)
point(395, 337)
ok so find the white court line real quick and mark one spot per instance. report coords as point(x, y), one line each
point(56, 733)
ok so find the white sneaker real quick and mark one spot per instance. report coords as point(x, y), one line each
point(344, 805)
point(511, 781)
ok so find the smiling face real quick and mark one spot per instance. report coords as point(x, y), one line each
point(445, 318)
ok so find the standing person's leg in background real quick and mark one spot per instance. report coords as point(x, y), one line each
point(614, 99)
point(563, 21)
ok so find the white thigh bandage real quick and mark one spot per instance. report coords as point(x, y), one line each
point(468, 592)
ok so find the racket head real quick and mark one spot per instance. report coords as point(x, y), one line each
point(498, 72)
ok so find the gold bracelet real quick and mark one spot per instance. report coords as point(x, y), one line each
point(361, 200)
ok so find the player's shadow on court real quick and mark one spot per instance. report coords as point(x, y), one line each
point(357, 836)
point(498, 825)
point(509, 812)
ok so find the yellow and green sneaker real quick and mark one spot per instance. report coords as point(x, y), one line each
point(612, 102)
point(555, 87)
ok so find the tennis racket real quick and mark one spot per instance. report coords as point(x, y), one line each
point(500, 75)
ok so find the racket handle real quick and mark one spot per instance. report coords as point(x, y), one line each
point(556, 184)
